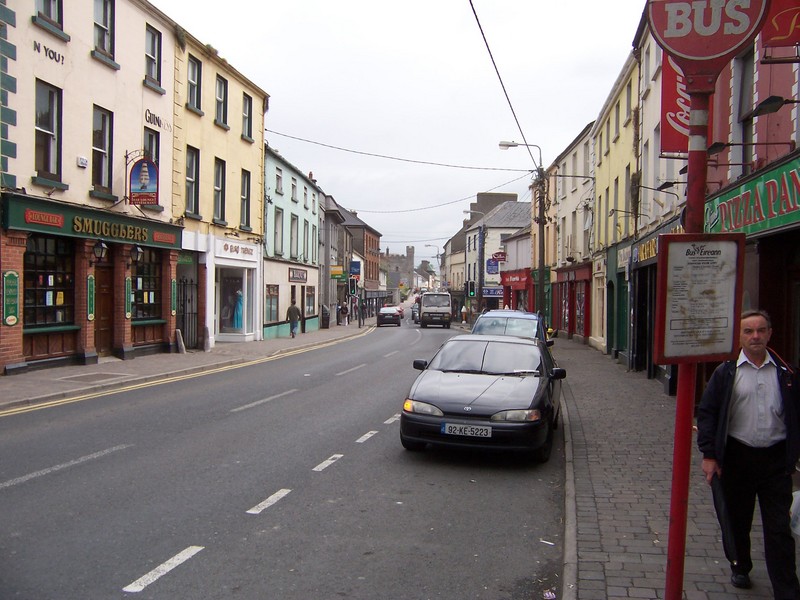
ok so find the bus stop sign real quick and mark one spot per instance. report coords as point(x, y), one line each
point(703, 37)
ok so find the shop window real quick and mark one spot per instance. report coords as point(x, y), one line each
point(231, 297)
point(311, 300)
point(49, 294)
point(271, 304)
point(146, 286)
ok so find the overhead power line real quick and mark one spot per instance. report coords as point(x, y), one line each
point(387, 157)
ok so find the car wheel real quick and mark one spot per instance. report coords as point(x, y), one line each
point(447, 326)
point(410, 445)
point(542, 453)
point(423, 325)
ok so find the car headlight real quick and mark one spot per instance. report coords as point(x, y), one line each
point(421, 408)
point(519, 416)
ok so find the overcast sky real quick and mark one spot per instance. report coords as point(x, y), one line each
point(414, 80)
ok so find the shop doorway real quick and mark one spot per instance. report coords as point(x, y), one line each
point(104, 310)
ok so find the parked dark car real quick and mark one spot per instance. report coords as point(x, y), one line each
point(485, 391)
point(389, 315)
point(511, 322)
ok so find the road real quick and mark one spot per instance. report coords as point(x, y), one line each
point(284, 479)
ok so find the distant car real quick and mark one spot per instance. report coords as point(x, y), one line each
point(491, 392)
point(511, 322)
point(389, 315)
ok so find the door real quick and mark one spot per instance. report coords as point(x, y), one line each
point(104, 310)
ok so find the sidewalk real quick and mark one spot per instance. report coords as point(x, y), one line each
point(46, 385)
point(618, 428)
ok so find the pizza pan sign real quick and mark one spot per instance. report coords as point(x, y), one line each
point(703, 36)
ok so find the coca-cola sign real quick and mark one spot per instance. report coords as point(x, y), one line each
point(704, 35)
point(675, 101)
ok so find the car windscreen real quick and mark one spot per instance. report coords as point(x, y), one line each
point(436, 301)
point(494, 357)
point(489, 325)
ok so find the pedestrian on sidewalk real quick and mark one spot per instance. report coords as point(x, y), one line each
point(748, 429)
point(293, 316)
point(344, 314)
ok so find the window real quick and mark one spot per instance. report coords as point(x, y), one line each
point(314, 203)
point(305, 196)
point(271, 303)
point(152, 55)
point(221, 92)
point(608, 136)
point(192, 181)
point(574, 175)
point(151, 144)
point(50, 10)
point(247, 117)
point(245, 207)
point(310, 300)
point(587, 159)
point(628, 100)
point(219, 191)
point(294, 189)
point(48, 131)
point(146, 285)
point(49, 294)
point(600, 149)
point(746, 101)
point(294, 234)
point(306, 253)
point(314, 244)
point(278, 231)
point(194, 78)
point(101, 150)
point(104, 27)
point(616, 120)
point(278, 180)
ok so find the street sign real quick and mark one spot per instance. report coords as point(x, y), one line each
point(703, 37)
point(499, 256)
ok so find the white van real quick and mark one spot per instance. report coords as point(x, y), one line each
point(434, 309)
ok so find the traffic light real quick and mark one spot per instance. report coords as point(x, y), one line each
point(471, 289)
point(352, 286)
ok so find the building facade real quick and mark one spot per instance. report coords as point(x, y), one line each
point(88, 247)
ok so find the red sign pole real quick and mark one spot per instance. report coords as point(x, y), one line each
point(687, 372)
point(702, 38)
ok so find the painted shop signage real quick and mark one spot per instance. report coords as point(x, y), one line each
point(298, 275)
point(44, 216)
point(236, 250)
point(766, 202)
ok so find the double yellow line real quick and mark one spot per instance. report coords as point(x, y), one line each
point(18, 410)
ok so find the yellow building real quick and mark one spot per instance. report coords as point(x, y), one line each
point(616, 169)
point(217, 194)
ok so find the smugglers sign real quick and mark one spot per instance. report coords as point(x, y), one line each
point(766, 202)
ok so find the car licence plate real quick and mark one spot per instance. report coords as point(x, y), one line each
point(468, 430)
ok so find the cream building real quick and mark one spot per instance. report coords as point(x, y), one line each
point(86, 182)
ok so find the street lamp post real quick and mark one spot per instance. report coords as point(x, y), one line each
point(538, 188)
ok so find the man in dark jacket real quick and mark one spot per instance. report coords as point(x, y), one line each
point(748, 429)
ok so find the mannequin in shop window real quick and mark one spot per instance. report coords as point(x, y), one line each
point(237, 310)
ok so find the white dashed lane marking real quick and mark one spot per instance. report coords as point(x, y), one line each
point(365, 437)
point(257, 509)
point(258, 402)
point(163, 569)
point(327, 463)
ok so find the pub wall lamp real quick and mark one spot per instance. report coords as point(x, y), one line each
point(136, 255)
point(99, 251)
point(617, 210)
point(772, 105)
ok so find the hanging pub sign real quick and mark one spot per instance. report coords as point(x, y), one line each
point(10, 298)
point(144, 183)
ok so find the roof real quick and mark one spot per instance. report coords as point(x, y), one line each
point(509, 215)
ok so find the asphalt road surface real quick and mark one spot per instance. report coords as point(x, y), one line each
point(280, 480)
